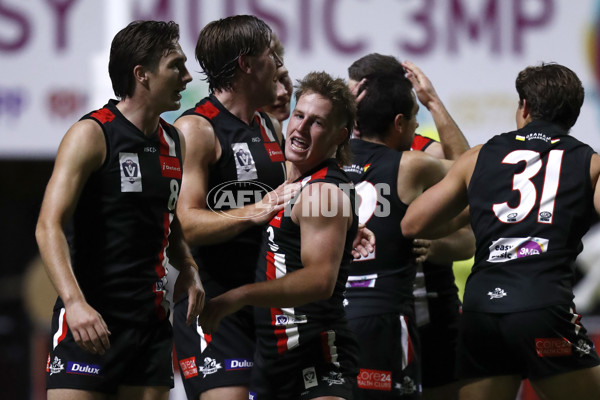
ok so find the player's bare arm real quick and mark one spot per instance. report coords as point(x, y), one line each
point(316, 280)
point(200, 225)
point(81, 152)
point(441, 210)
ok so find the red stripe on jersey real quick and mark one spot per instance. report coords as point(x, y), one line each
point(159, 293)
point(103, 115)
point(207, 338)
point(325, 346)
point(276, 220)
point(320, 174)
point(263, 133)
point(420, 142)
point(279, 331)
point(207, 109)
point(164, 146)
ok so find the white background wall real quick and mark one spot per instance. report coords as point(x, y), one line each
point(54, 53)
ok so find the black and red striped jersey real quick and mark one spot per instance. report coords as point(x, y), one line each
point(251, 164)
point(531, 201)
point(382, 282)
point(281, 329)
point(121, 224)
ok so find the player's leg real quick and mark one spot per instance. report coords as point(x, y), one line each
point(143, 393)
point(74, 394)
point(503, 387)
point(581, 384)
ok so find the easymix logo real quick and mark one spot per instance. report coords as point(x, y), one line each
point(238, 364)
point(82, 369)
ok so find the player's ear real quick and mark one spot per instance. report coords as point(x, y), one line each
point(245, 63)
point(140, 73)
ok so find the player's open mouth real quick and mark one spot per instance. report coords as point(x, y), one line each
point(298, 144)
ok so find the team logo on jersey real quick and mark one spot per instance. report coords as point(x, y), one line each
point(407, 386)
point(131, 174)
point(210, 366)
point(334, 378)
point(506, 249)
point(283, 319)
point(82, 369)
point(244, 162)
point(583, 348)
point(498, 293)
point(309, 375)
point(57, 366)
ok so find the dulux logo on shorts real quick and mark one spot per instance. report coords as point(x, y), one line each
point(238, 364)
point(82, 369)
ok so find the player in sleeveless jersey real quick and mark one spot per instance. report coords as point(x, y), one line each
point(118, 174)
point(437, 306)
point(532, 194)
point(233, 158)
point(305, 349)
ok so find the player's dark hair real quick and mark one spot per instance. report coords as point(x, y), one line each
point(222, 42)
point(387, 95)
point(553, 93)
point(374, 63)
point(139, 43)
point(342, 101)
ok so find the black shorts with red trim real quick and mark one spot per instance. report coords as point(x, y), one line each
point(534, 344)
point(222, 359)
point(138, 356)
point(323, 366)
point(389, 358)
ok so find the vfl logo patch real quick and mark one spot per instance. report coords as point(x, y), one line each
point(282, 319)
point(170, 167)
point(82, 369)
point(131, 174)
point(309, 375)
point(244, 163)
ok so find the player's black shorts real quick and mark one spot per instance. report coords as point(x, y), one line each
point(439, 338)
point(323, 366)
point(138, 356)
point(389, 357)
point(224, 358)
point(533, 344)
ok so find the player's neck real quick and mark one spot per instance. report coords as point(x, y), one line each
point(238, 104)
